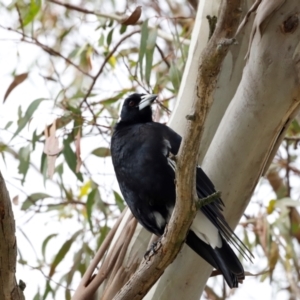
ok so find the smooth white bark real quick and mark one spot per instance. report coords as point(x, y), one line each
point(251, 106)
point(267, 96)
point(229, 79)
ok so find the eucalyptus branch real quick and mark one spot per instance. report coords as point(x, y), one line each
point(49, 50)
point(166, 36)
point(114, 17)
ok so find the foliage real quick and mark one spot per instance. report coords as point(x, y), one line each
point(82, 62)
point(88, 61)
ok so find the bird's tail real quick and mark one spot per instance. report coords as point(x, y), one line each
point(223, 259)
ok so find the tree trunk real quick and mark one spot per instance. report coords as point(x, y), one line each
point(257, 95)
point(249, 134)
point(9, 290)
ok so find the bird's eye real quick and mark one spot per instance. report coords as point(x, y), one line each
point(131, 103)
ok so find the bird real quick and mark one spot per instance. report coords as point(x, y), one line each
point(142, 152)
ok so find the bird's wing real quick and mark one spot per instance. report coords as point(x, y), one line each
point(212, 211)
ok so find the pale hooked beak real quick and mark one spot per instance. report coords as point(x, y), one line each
point(147, 100)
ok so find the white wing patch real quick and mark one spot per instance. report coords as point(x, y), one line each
point(206, 231)
point(160, 221)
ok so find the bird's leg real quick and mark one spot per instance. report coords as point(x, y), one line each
point(153, 248)
point(200, 202)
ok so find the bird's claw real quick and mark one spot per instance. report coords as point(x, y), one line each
point(153, 249)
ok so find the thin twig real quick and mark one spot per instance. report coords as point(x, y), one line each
point(110, 54)
point(135, 78)
point(207, 200)
point(167, 37)
point(163, 56)
point(49, 50)
point(89, 12)
point(20, 18)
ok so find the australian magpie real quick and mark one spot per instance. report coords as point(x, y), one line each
point(141, 152)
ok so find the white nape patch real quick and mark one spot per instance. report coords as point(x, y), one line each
point(160, 221)
point(206, 230)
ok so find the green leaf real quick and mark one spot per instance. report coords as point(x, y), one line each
point(111, 23)
point(77, 51)
point(101, 152)
point(35, 138)
point(116, 98)
point(71, 158)
point(64, 249)
point(28, 114)
point(123, 29)
point(48, 289)
point(67, 294)
point(32, 199)
point(151, 42)
point(19, 112)
point(8, 124)
point(65, 33)
point(37, 296)
point(175, 76)
point(143, 46)
point(59, 170)
point(294, 128)
point(104, 230)
point(24, 157)
point(89, 205)
point(44, 166)
point(101, 40)
point(34, 8)
point(75, 265)
point(45, 242)
point(109, 37)
point(100, 205)
point(64, 120)
point(119, 201)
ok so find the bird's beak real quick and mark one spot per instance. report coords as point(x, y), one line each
point(147, 100)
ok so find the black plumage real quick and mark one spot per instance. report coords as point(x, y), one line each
point(141, 152)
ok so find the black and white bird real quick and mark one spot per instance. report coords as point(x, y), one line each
point(141, 151)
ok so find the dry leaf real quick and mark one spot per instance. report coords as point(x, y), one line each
point(51, 148)
point(295, 223)
point(77, 149)
point(134, 17)
point(15, 200)
point(261, 229)
point(17, 80)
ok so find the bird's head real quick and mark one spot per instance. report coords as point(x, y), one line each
point(137, 108)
